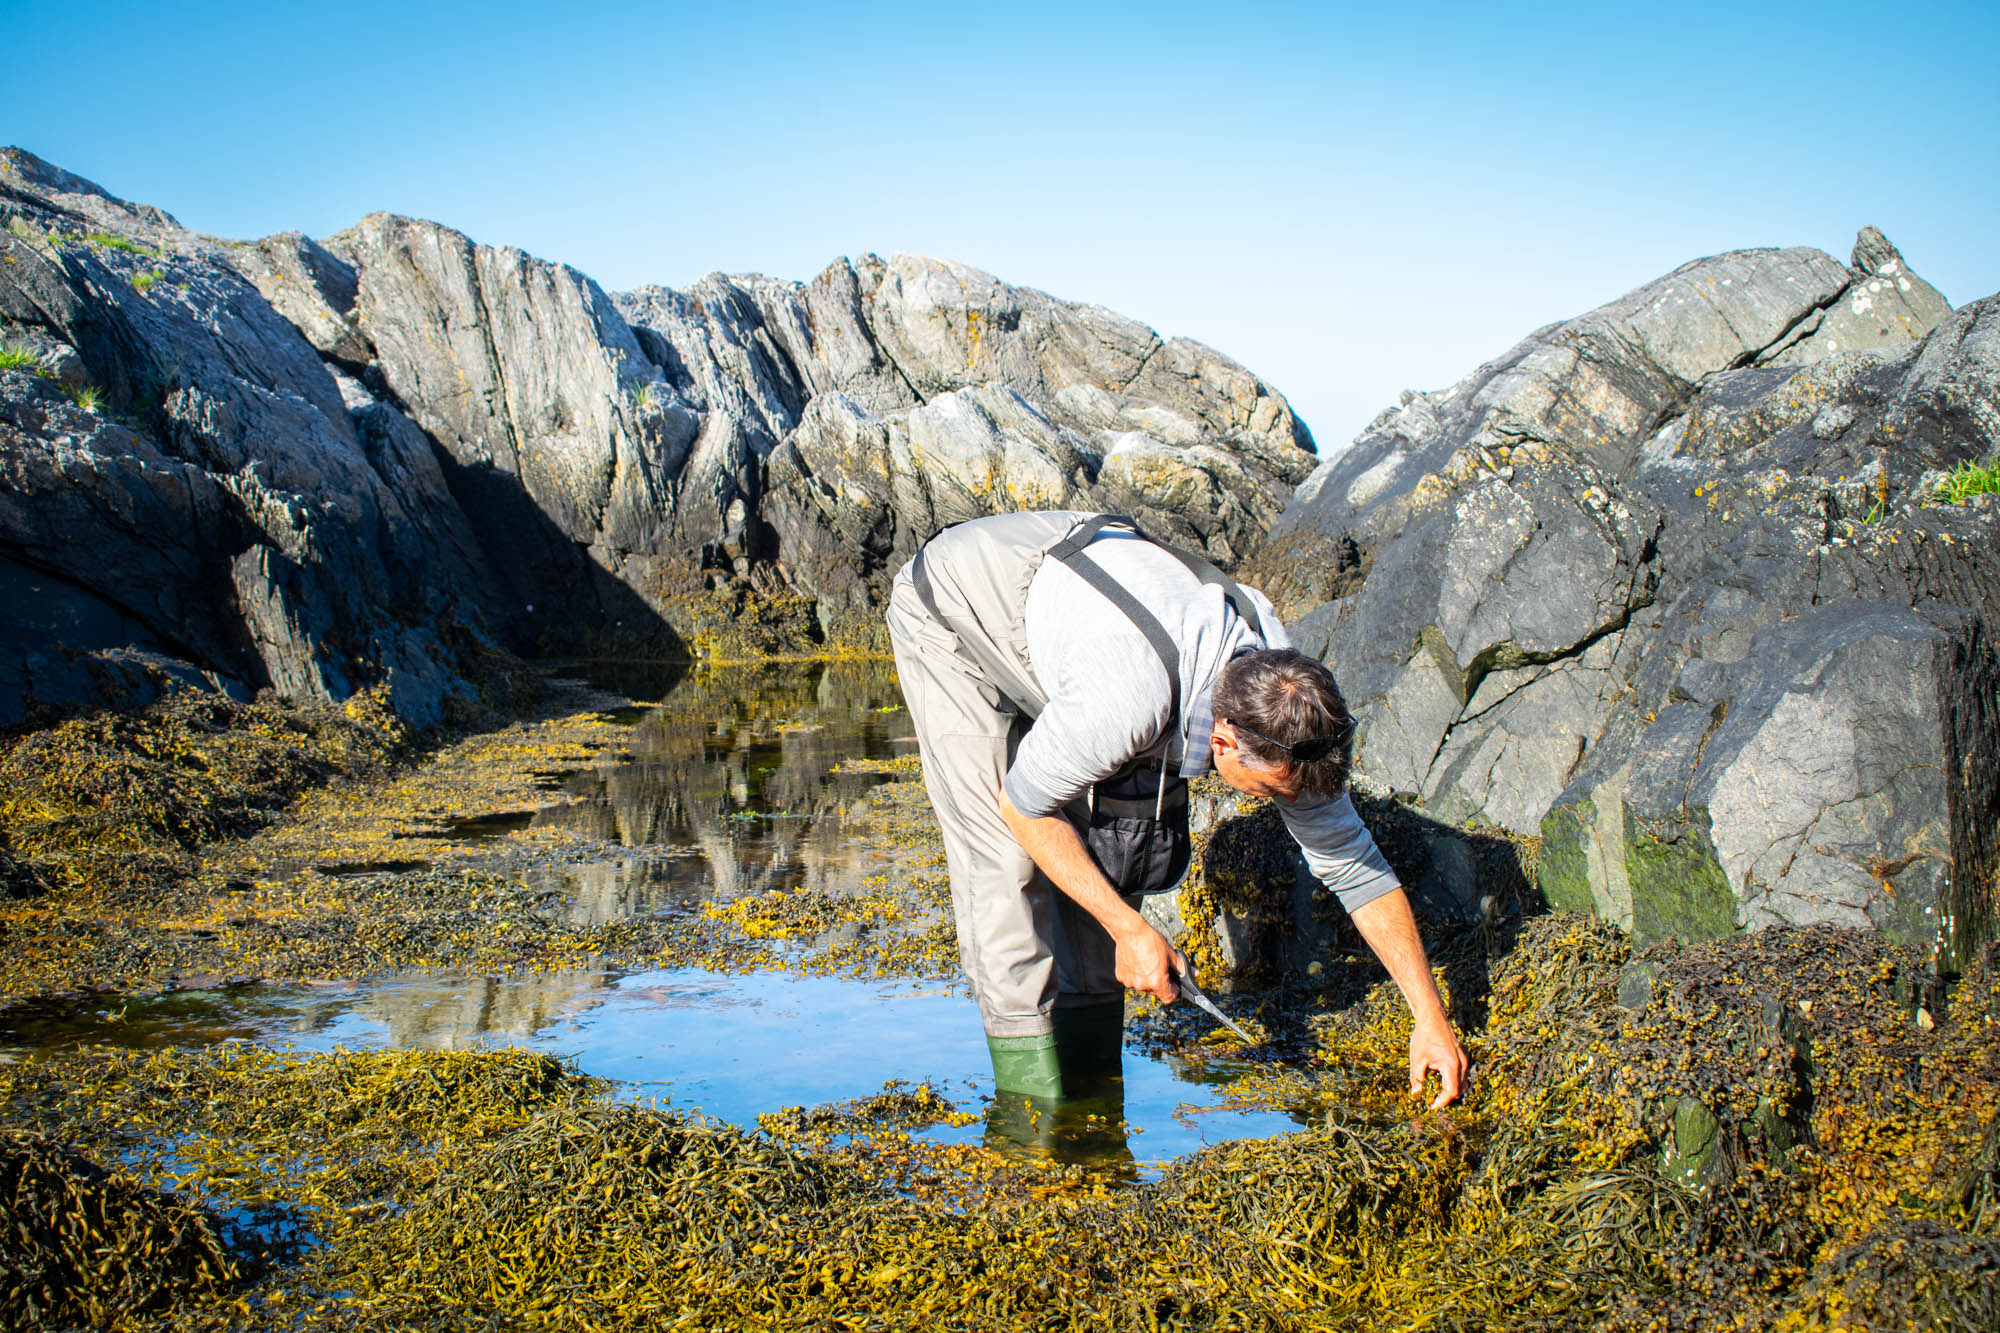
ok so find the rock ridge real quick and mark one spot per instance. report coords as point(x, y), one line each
point(1670, 586)
point(319, 466)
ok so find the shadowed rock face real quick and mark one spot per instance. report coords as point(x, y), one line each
point(1669, 585)
point(323, 465)
point(219, 501)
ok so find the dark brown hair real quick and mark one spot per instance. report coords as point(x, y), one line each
point(1289, 698)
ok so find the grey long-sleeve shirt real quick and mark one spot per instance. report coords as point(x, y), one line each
point(1109, 699)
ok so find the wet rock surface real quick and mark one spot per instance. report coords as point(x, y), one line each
point(1673, 586)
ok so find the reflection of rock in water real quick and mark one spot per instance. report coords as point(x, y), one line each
point(738, 764)
point(446, 1013)
point(601, 892)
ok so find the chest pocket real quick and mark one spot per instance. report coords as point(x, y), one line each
point(1136, 828)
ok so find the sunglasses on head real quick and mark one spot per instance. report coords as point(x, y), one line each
point(1307, 751)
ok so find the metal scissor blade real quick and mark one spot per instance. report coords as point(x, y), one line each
point(1190, 991)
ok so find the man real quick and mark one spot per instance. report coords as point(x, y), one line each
point(1066, 676)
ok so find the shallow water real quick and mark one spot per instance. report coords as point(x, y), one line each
point(732, 1046)
point(727, 787)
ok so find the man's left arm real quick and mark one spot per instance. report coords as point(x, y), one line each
point(1340, 852)
point(1391, 931)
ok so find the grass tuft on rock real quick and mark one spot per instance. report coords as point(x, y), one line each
point(1968, 479)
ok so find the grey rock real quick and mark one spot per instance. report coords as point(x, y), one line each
point(1814, 779)
point(1602, 384)
point(555, 428)
point(1003, 398)
point(1948, 403)
point(1635, 985)
point(805, 436)
point(1884, 306)
point(312, 288)
point(218, 431)
point(1523, 734)
point(392, 441)
point(1493, 627)
point(1312, 633)
point(1688, 1155)
point(1577, 562)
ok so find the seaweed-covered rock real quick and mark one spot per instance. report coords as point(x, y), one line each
point(1250, 913)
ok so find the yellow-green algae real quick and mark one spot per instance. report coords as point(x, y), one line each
point(149, 849)
point(447, 1189)
point(81, 1245)
point(1790, 1130)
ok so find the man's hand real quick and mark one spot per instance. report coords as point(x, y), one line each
point(1391, 932)
point(1147, 963)
point(1435, 1046)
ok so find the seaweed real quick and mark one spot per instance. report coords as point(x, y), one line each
point(80, 1244)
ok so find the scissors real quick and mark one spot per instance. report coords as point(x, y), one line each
point(1184, 982)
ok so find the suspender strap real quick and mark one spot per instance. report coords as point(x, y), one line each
point(1070, 552)
point(1246, 610)
point(1087, 530)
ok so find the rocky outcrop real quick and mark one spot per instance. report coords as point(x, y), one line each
point(802, 437)
point(1670, 585)
point(894, 397)
point(191, 491)
point(1799, 783)
point(318, 466)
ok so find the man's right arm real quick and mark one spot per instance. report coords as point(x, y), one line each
point(1145, 962)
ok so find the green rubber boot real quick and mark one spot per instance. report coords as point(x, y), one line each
point(1026, 1065)
point(1091, 1037)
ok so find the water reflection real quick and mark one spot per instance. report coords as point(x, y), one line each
point(736, 769)
point(728, 786)
point(734, 1046)
point(1088, 1125)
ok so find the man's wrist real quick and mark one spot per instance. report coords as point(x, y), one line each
point(1427, 1011)
point(1128, 926)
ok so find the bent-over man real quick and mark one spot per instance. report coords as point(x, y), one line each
point(1066, 677)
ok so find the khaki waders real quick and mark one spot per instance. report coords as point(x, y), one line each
point(1042, 969)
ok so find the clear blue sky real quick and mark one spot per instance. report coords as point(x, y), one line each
point(1350, 201)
